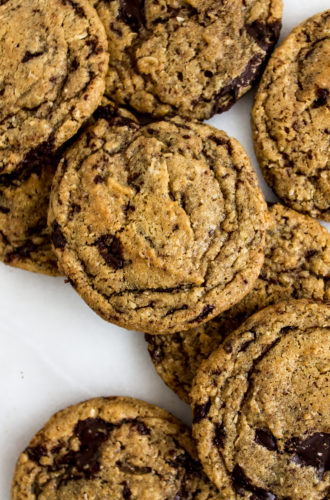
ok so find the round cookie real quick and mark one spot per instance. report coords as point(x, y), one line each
point(291, 119)
point(296, 265)
point(118, 448)
point(53, 65)
point(159, 227)
point(261, 406)
point(176, 57)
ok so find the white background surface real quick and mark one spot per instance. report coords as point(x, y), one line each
point(55, 351)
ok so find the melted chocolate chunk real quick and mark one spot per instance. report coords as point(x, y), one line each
point(126, 491)
point(242, 483)
point(265, 438)
point(31, 55)
point(322, 98)
point(91, 433)
point(266, 35)
point(205, 312)
point(36, 452)
point(132, 13)
point(248, 76)
point(4, 210)
point(219, 435)
point(57, 236)
point(201, 411)
point(110, 249)
point(314, 451)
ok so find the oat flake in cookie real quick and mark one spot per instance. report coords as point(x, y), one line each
point(291, 119)
point(261, 406)
point(52, 65)
point(158, 227)
point(176, 57)
point(112, 448)
point(296, 265)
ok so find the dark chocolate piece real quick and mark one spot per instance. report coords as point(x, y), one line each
point(110, 248)
point(265, 438)
point(201, 411)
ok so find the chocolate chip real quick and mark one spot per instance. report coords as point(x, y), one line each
point(218, 140)
point(77, 8)
point(156, 351)
point(314, 451)
point(132, 13)
point(231, 90)
point(23, 252)
point(219, 435)
point(242, 483)
point(141, 428)
point(322, 98)
point(205, 312)
point(265, 438)
point(185, 461)
point(29, 55)
point(57, 236)
point(311, 253)
point(266, 35)
point(201, 411)
point(91, 432)
point(4, 210)
point(110, 248)
point(98, 179)
point(126, 491)
point(133, 469)
point(36, 452)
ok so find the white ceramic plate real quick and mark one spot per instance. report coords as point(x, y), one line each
point(55, 351)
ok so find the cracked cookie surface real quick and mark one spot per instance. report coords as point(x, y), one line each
point(261, 406)
point(296, 265)
point(158, 227)
point(176, 57)
point(291, 119)
point(53, 64)
point(118, 448)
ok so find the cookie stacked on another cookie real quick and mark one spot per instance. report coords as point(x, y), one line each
point(296, 265)
point(176, 57)
point(261, 406)
point(291, 119)
point(158, 227)
point(114, 448)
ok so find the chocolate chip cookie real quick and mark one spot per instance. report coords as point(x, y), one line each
point(291, 119)
point(112, 448)
point(53, 64)
point(296, 265)
point(176, 57)
point(159, 227)
point(261, 406)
